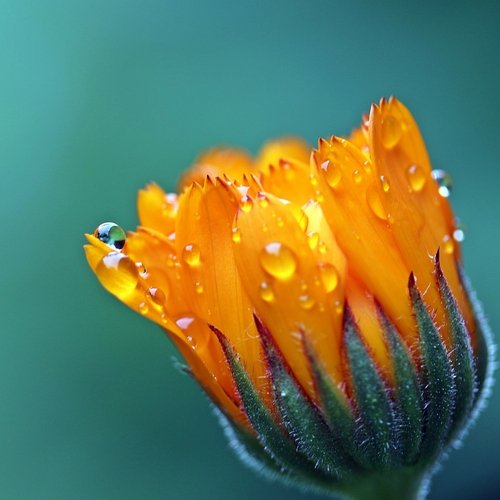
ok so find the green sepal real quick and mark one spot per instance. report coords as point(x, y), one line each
point(407, 394)
point(336, 407)
point(437, 379)
point(376, 435)
point(271, 438)
point(300, 416)
point(461, 354)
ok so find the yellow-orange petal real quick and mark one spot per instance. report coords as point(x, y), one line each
point(284, 282)
point(289, 149)
point(422, 220)
point(355, 212)
point(210, 279)
point(157, 209)
point(219, 162)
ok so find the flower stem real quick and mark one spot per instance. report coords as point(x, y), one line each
point(406, 484)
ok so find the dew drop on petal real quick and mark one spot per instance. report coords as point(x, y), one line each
point(444, 182)
point(194, 330)
point(391, 132)
point(385, 184)
point(157, 297)
point(333, 173)
point(198, 287)
point(246, 204)
point(143, 308)
point(278, 260)
point(266, 292)
point(191, 255)
point(375, 202)
point(312, 239)
point(329, 276)
point(118, 274)
point(416, 177)
point(236, 235)
point(357, 176)
point(306, 302)
point(111, 234)
point(448, 245)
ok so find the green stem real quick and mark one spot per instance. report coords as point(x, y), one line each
point(401, 485)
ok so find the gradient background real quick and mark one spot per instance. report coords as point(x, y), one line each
point(98, 98)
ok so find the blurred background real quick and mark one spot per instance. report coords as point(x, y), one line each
point(97, 98)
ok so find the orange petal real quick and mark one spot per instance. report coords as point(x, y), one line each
point(286, 285)
point(209, 275)
point(353, 205)
point(289, 149)
point(422, 220)
point(156, 209)
point(233, 163)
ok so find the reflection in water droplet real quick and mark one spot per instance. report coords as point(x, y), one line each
point(278, 260)
point(143, 308)
point(391, 132)
point(118, 274)
point(191, 255)
point(111, 234)
point(236, 236)
point(141, 268)
point(329, 276)
point(448, 245)
point(375, 202)
point(444, 182)
point(266, 292)
point(416, 177)
point(246, 204)
point(333, 173)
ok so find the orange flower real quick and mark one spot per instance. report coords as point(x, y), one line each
point(317, 297)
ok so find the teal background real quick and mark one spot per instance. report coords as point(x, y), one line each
point(98, 98)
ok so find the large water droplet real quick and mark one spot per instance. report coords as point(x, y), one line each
point(191, 255)
point(391, 132)
point(444, 182)
point(416, 177)
point(266, 292)
point(111, 234)
point(333, 173)
point(117, 274)
point(278, 260)
point(375, 203)
point(329, 276)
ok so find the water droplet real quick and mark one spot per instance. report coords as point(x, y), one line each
point(262, 200)
point(322, 248)
point(171, 260)
point(312, 239)
point(374, 201)
point(194, 330)
point(444, 182)
point(333, 173)
point(141, 268)
point(319, 196)
point(337, 307)
point(278, 260)
point(306, 302)
point(198, 287)
point(118, 274)
point(191, 255)
point(266, 292)
point(458, 235)
point(448, 245)
point(416, 177)
point(357, 176)
point(329, 276)
point(385, 184)
point(391, 132)
point(280, 222)
point(236, 235)
point(314, 180)
point(143, 308)
point(111, 234)
point(246, 204)
point(367, 167)
point(157, 297)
